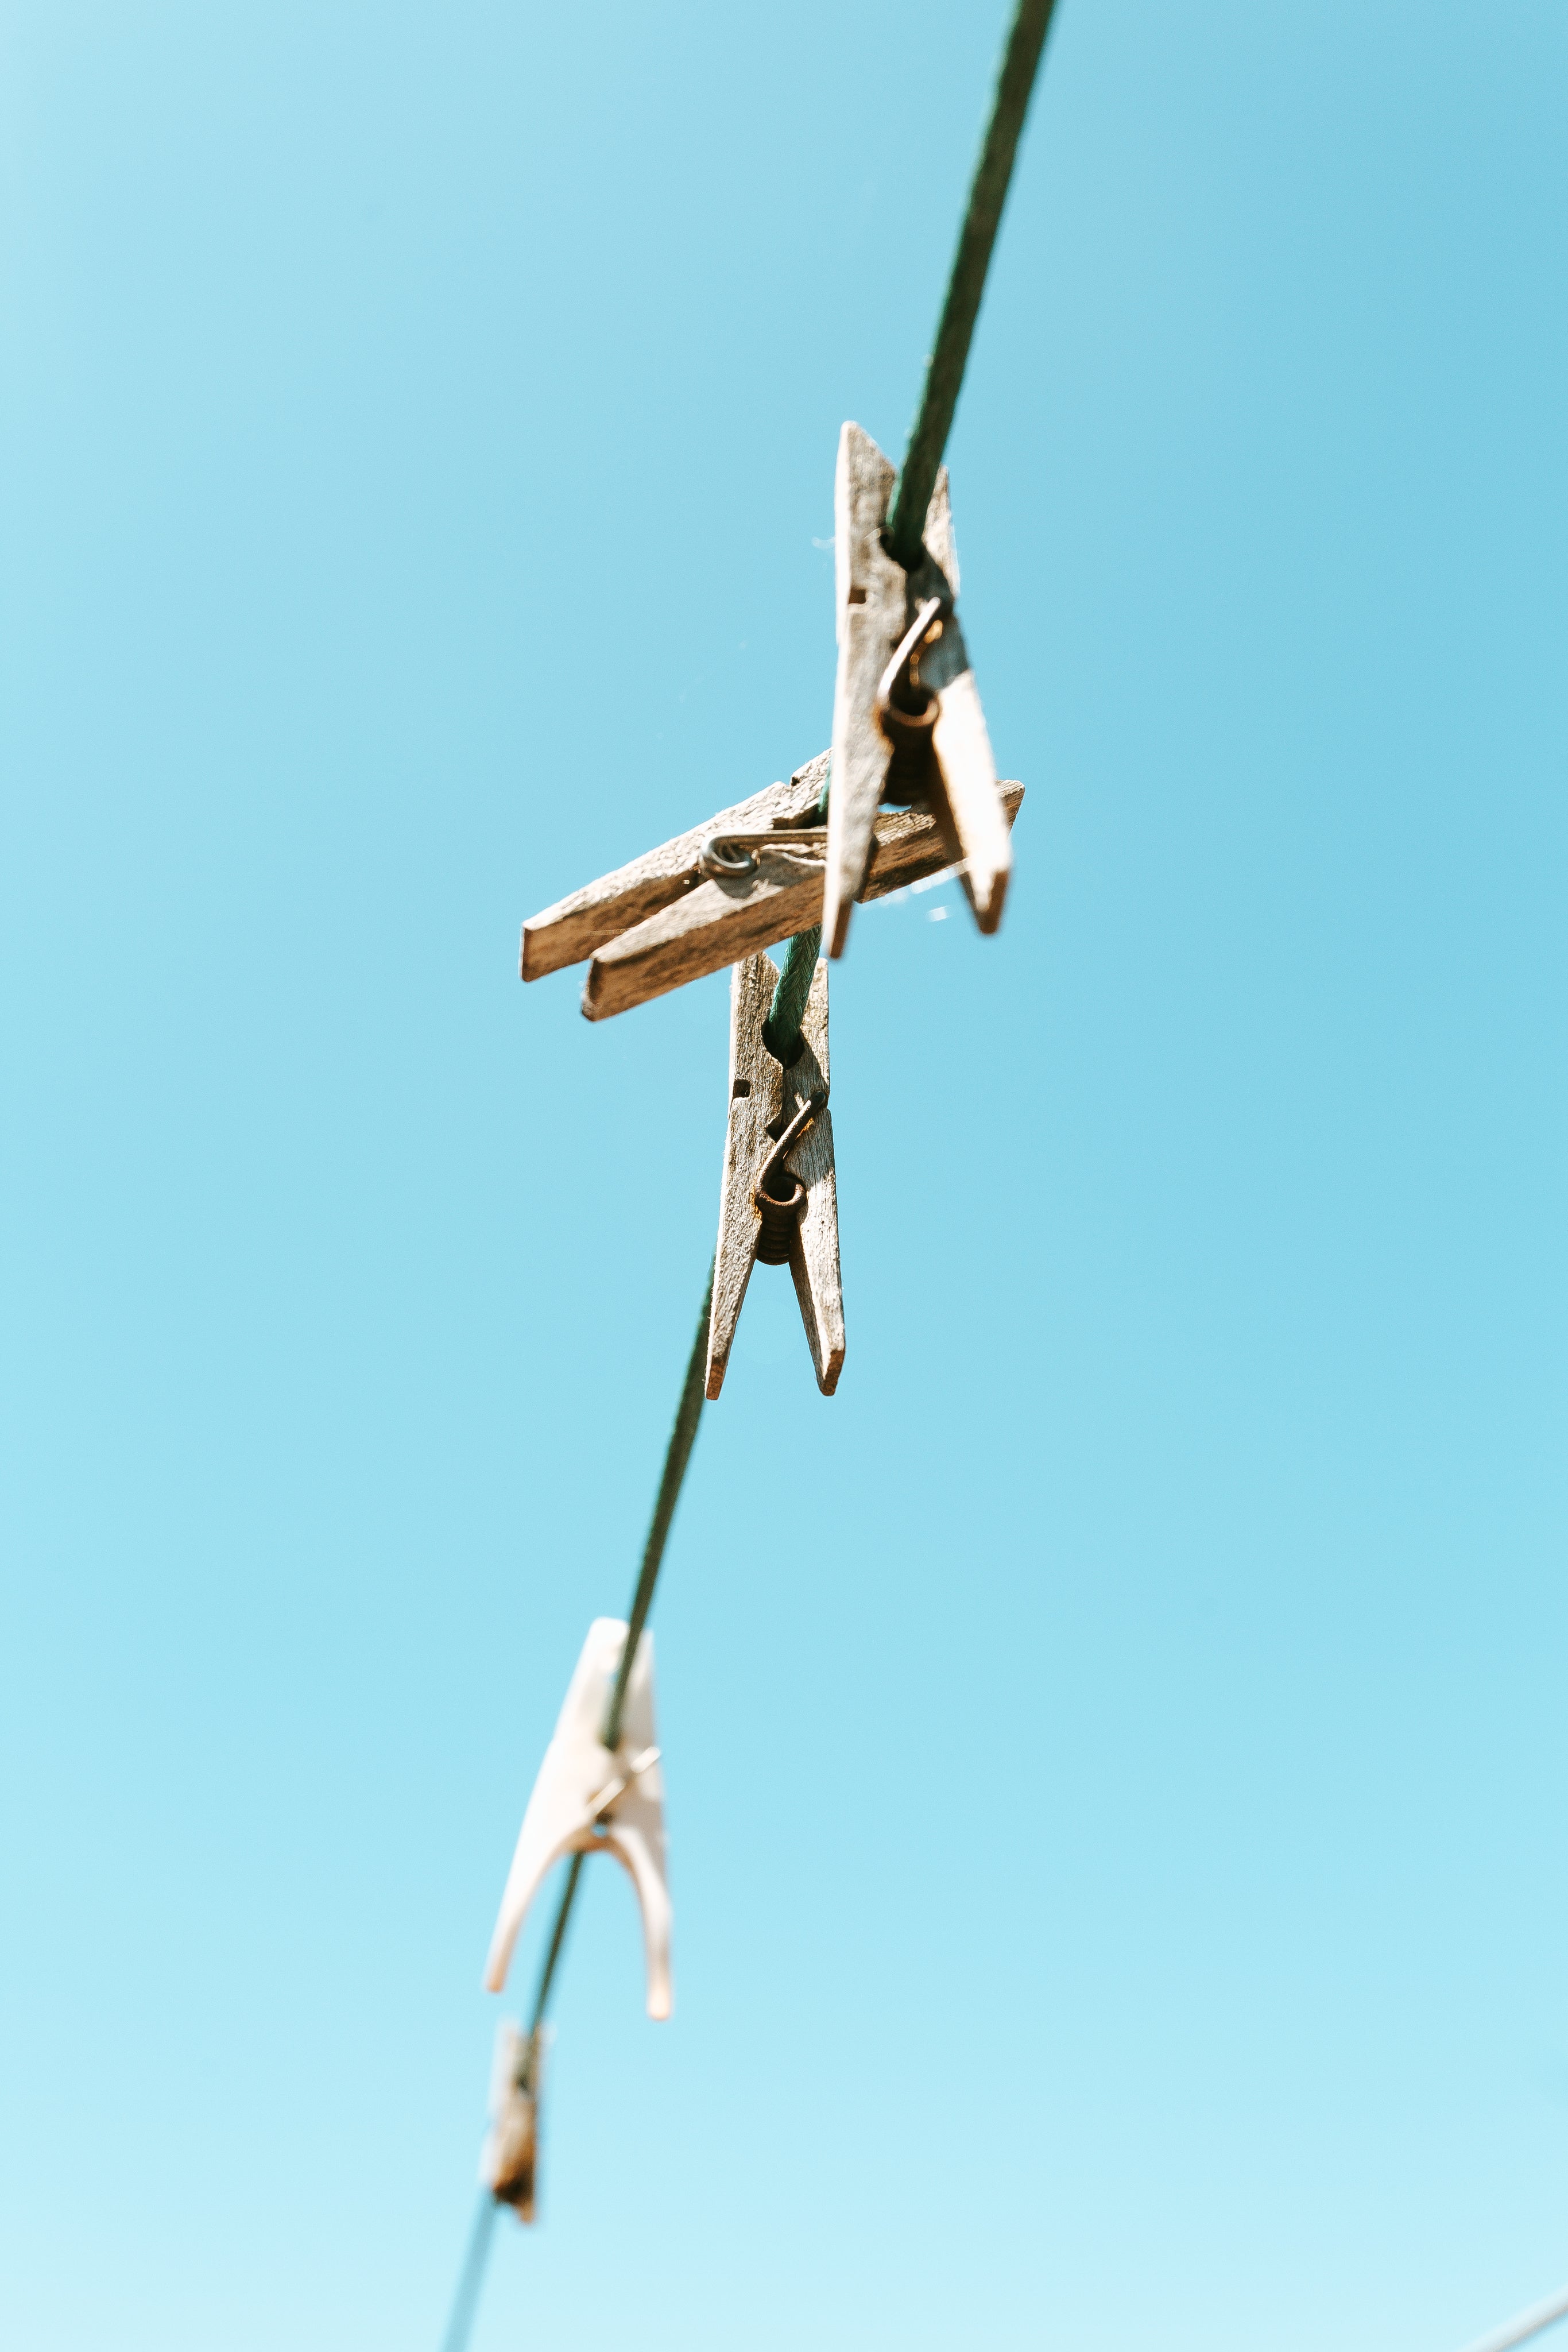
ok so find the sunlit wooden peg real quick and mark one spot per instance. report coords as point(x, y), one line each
point(508, 2164)
point(877, 603)
point(588, 1800)
point(779, 1197)
point(572, 928)
point(721, 921)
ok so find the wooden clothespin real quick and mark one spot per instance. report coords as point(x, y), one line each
point(907, 722)
point(749, 877)
point(778, 1199)
point(589, 1798)
point(508, 2165)
point(575, 927)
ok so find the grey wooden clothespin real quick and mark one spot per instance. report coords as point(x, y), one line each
point(778, 1198)
point(907, 722)
point(718, 893)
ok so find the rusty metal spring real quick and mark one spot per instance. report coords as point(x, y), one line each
point(780, 1196)
point(906, 710)
point(781, 1220)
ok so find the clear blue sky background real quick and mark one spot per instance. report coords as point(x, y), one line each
point(1116, 1748)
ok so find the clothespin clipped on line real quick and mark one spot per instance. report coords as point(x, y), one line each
point(907, 722)
point(510, 2162)
point(779, 1196)
point(589, 1798)
point(666, 918)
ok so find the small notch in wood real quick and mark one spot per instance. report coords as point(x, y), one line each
point(742, 1086)
point(857, 595)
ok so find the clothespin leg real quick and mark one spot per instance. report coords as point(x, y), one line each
point(640, 1850)
point(762, 1097)
point(973, 821)
point(751, 1097)
point(814, 1252)
point(964, 795)
point(868, 587)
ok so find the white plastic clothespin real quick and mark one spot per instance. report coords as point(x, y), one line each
point(778, 1199)
point(591, 1800)
point(907, 722)
point(508, 2165)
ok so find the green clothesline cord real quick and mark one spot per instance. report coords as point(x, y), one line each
point(677, 1453)
point(987, 194)
point(466, 2302)
point(683, 1437)
point(781, 1030)
point(781, 1033)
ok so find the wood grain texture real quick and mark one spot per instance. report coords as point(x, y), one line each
point(869, 590)
point(571, 929)
point(752, 1102)
point(940, 544)
point(761, 1094)
point(964, 795)
point(720, 922)
point(814, 1252)
point(974, 818)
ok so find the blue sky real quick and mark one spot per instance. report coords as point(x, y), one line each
point(1115, 1748)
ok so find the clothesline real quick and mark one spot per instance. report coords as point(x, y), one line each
point(917, 481)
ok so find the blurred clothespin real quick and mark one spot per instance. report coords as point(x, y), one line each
point(779, 1200)
point(749, 877)
point(589, 1798)
point(907, 722)
point(509, 2164)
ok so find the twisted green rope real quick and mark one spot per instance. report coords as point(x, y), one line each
point(782, 1031)
point(987, 194)
point(677, 1453)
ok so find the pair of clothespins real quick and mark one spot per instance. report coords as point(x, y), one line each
point(913, 793)
point(587, 1799)
point(908, 729)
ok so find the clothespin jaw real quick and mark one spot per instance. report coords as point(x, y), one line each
point(509, 2163)
point(589, 1798)
point(779, 1196)
point(943, 763)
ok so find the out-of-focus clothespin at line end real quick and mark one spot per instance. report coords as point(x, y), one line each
point(509, 2163)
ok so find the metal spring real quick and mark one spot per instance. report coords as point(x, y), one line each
point(780, 1211)
point(906, 710)
point(781, 1220)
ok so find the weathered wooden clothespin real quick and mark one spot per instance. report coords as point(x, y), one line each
point(907, 722)
point(778, 1199)
point(589, 1798)
point(749, 877)
point(508, 2165)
